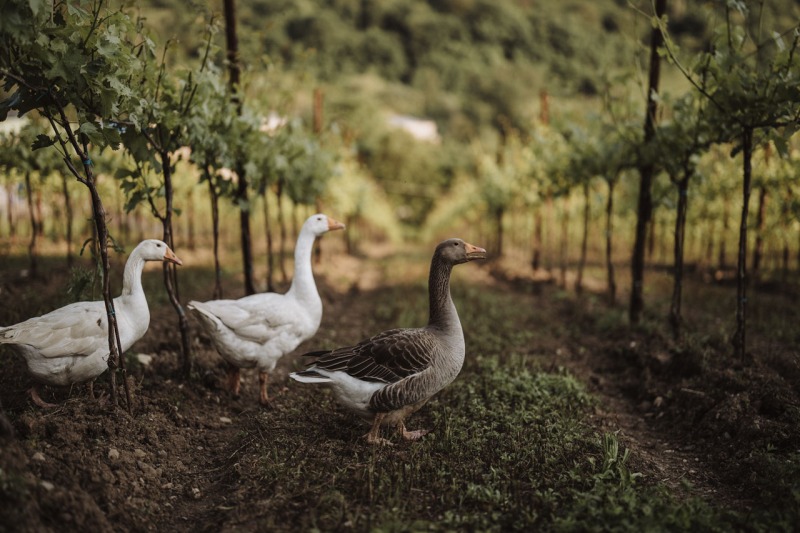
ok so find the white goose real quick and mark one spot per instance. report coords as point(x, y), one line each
point(257, 330)
point(389, 376)
point(70, 345)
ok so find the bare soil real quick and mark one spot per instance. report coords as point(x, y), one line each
point(173, 463)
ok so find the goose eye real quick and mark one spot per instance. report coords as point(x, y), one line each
point(455, 244)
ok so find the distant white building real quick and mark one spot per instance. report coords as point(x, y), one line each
point(272, 123)
point(422, 130)
point(12, 124)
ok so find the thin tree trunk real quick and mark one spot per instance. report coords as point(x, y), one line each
point(68, 209)
point(318, 125)
point(119, 214)
point(12, 229)
point(101, 229)
point(708, 246)
point(115, 359)
point(191, 244)
point(32, 259)
point(758, 249)
point(585, 240)
point(295, 226)
point(537, 240)
point(612, 283)
point(101, 232)
point(498, 221)
point(232, 44)
point(282, 229)
point(244, 225)
point(646, 171)
point(139, 224)
point(785, 213)
point(563, 252)
point(39, 215)
point(348, 235)
point(214, 196)
point(318, 242)
point(270, 253)
point(722, 260)
point(785, 262)
point(680, 234)
point(651, 238)
point(170, 269)
point(739, 338)
point(548, 243)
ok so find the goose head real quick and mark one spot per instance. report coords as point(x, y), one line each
point(456, 251)
point(155, 250)
point(319, 224)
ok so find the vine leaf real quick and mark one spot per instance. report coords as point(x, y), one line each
point(42, 141)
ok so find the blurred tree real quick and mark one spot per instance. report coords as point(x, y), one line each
point(754, 93)
point(678, 144)
point(208, 128)
point(237, 95)
point(646, 169)
point(18, 155)
point(158, 133)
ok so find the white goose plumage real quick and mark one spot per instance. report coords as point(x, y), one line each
point(257, 330)
point(70, 345)
point(389, 376)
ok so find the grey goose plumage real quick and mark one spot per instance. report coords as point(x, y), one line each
point(389, 376)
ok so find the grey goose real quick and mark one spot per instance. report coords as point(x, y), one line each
point(391, 375)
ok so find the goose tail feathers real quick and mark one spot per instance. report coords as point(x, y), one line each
point(309, 376)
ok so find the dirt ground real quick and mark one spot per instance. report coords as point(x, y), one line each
point(170, 464)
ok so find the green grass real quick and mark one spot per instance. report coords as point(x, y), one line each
point(510, 451)
point(511, 448)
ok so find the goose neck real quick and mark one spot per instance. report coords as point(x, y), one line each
point(303, 285)
point(442, 309)
point(132, 276)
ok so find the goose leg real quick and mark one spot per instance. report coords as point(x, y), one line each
point(234, 381)
point(34, 392)
point(263, 378)
point(411, 435)
point(102, 399)
point(374, 435)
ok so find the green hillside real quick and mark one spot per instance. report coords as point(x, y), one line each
point(477, 68)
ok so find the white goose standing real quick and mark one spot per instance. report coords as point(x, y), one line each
point(389, 376)
point(70, 345)
point(257, 330)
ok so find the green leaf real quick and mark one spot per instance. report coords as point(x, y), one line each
point(43, 141)
point(92, 133)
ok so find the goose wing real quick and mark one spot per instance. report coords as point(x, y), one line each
point(387, 357)
point(251, 318)
point(76, 329)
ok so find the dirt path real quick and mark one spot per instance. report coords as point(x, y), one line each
point(177, 462)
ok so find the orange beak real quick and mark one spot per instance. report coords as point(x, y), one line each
point(474, 252)
point(334, 224)
point(171, 257)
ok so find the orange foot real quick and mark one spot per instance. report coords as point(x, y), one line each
point(38, 399)
point(415, 435)
point(411, 435)
point(234, 380)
